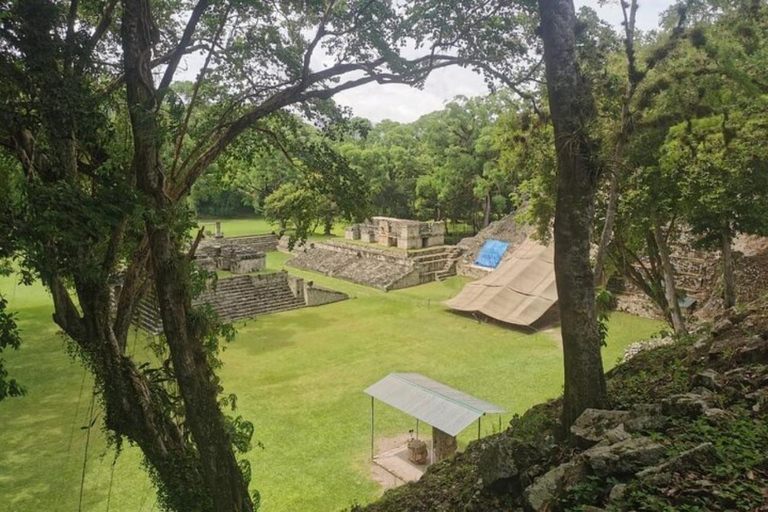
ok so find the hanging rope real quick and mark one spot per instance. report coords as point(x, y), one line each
point(111, 479)
point(74, 419)
point(91, 421)
point(135, 339)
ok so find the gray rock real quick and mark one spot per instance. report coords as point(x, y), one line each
point(687, 404)
point(617, 435)
point(503, 460)
point(552, 485)
point(715, 414)
point(645, 417)
point(617, 492)
point(624, 458)
point(754, 351)
point(700, 390)
point(591, 427)
point(708, 379)
point(690, 458)
point(721, 326)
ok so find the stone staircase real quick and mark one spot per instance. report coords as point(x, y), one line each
point(147, 315)
point(233, 299)
point(436, 263)
point(248, 296)
point(449, 269)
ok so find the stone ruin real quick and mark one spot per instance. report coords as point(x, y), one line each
point(378, 267)
point(400, 233)
point(245, 296)
point(239, 255)
point(423, 255)
point(237, 261)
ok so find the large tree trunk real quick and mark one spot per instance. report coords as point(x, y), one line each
point(197, 384)
point(572, 107)
point(134, 408)
point(488, 204)
point(729, 288)
point(668, 271)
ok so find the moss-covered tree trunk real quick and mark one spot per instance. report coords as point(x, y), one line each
point(134, 408)
point(572, 108)
point(222, 476)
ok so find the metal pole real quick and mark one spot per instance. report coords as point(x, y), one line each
point(499, 423)
point(432, 455)
point(478, 426)
point(372, 422)
point(417, 428)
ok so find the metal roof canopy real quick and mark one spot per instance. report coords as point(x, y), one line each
point(441, 406)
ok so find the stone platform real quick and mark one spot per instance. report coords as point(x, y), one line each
point(396, 462)
point(383, 268)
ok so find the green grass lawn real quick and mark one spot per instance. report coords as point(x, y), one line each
point(299, 377)
point(260, 226)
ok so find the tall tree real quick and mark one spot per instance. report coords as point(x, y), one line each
point(573, 111)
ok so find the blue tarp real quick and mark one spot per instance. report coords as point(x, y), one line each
point(491, 253)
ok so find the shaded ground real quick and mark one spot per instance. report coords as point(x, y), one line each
point(299, 377)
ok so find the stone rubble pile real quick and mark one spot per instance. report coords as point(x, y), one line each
point(635, 348)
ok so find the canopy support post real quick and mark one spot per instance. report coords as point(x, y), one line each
point(372, 424)
point(432, 454)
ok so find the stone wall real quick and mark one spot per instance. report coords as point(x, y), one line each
point(386, 269)
point(359, 266)
point(317, 295)
point(263, 243)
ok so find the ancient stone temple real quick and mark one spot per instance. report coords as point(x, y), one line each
point(239, 255)
point(400, 233)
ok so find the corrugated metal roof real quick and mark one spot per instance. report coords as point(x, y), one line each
point(434, 403)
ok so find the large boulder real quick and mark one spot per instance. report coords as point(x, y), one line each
point(548, 488)
point(625, 457)
point(504, 463)
point(590, 428)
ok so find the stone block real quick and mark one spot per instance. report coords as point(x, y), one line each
point(548, 488)
point(592, 425)
point(625, 457)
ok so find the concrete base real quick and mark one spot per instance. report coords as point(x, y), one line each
point(396, 462)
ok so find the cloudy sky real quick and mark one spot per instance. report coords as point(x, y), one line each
point(406, 104)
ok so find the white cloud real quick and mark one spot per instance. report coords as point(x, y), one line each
point(406, 104)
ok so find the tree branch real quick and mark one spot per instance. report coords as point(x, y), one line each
point(195, 91)
point(179, 51)
point(103, 25)
point(118, 82)
point(65, 313)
